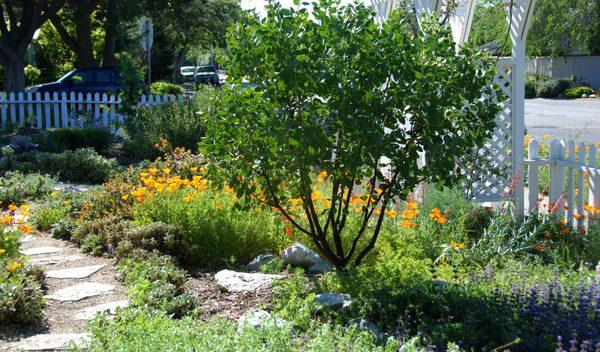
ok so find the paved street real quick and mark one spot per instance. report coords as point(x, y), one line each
point(577, 119)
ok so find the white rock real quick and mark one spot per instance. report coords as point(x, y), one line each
point(41, 250)
point(80, 291)
point(54, 260)
point(362, 324)
point(332, 300)
point(74, 273)
point(258, 318)
point(110, 307)
point(52, 342)
point(260, 261)
point(584, 95)
point(594, 96)
point(320, 267)
point(299, 255)
point(233, 281)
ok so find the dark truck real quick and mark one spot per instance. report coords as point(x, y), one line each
point(85, 80)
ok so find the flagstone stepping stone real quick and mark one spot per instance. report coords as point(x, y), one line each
point(26, 238)
point(52, 342)
point(74, 273)
point(233, 281)
point(41, 250)
point(80, 291)
point(54, 260)
point(110, 307)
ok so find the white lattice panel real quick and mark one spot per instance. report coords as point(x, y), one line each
point(498, 149)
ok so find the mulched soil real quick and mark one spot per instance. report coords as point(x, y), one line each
point(212, 301)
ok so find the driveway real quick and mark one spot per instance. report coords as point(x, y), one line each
point(577, 119)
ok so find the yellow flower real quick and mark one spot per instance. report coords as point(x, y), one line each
point(166, 171)
point(391, 214)
point(409, 214)
point(218, 206)
point(13, 266)
point(437, 216)
point(407, 224)
point(546, 136)
point(66, 202)
point(25, 212)
point(12, 207)
point(322, 174)
point(25, 228)
point(457, 246)
point(125, 197)
point(24, 207)
point(53, 194)
point(2, 251)
point(153, 170)
point(411, 205)
point(7, 219)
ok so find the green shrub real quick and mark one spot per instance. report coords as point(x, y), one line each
point(591, 252)
point(45, 216)
point(166, 88)
point(530, 87)
point(552, 88)
point(213, 228)
point(16, 188)
point(81, 165)
point(577, 92)
point(145, 331)
point(176, 124)
point(63, 139)
point(21, 299)
point(157, 283)
point(98, 236)
point(157, 236)
point(63, 229)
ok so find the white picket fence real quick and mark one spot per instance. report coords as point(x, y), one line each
point(66, 110)
point(574, 180)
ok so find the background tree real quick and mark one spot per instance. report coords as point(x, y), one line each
point(335, 97)
point(92, 28)
point(20, 20)
point(559, 27)
point(183, 25)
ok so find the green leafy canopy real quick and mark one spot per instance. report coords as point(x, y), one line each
point(333, 91)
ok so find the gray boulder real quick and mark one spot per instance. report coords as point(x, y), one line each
point(299, 255)
point(362, 324)
point(259, 319)
point(332, 301)
point(320, 267)
point(260, 261)
point(233, 281)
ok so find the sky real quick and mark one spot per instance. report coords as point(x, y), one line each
point(259, 5)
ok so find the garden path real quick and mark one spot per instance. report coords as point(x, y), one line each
point(78, 286)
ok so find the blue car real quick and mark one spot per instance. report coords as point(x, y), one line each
point(86, 80)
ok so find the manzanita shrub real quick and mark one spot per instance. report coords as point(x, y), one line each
point(332, 92)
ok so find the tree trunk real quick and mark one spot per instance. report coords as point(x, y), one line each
point(179, 59)
point(14, 74)
point(110, 34)
point(83, 28)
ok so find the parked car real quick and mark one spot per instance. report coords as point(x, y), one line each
point(86, 80)
point(208, 74)
point(188, 72)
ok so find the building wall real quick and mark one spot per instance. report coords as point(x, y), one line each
point(584, 67)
